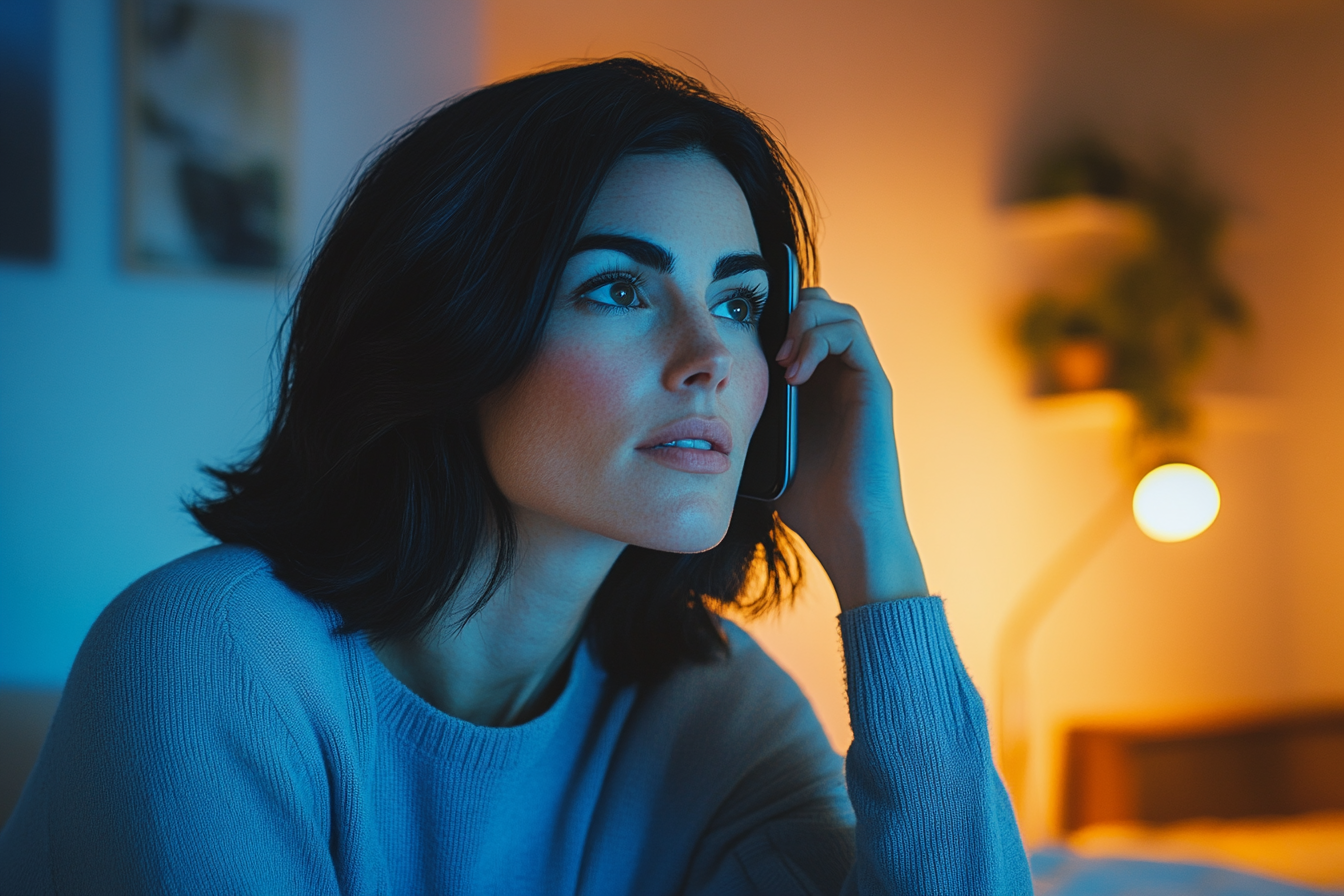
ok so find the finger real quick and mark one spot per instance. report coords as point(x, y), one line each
point(845, 338)
point(816, 310)
point(806, 297)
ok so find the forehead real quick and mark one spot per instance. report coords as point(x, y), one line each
point(676, 198)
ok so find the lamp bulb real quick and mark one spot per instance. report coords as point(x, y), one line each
point(1175, 502)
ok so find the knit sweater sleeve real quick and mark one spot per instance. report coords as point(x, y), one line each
point(929, 817)
point(167, 767)
point(932, 814)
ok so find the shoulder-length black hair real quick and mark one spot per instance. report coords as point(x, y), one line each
point(370, 492)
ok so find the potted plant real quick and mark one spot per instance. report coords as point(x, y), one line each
point(1146, 318)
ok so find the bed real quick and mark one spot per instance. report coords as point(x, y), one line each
point(1251, 805)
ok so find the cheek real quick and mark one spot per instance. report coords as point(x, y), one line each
point(552, 427)
point(755, 377)
point(576, 388)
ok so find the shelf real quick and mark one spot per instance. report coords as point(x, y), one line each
point(1111, 410)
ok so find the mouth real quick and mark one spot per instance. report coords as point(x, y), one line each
point(696, 444)
point(692, 445)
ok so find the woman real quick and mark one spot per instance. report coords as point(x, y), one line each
point(458, 634)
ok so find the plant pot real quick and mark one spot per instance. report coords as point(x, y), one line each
point(1080, 365)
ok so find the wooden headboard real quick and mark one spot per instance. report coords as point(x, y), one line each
point(1253, 765)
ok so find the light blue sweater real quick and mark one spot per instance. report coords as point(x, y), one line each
point(215, 737)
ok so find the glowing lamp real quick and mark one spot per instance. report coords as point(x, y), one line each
point(1175, 502)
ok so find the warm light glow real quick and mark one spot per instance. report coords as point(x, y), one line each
point(1175, 502)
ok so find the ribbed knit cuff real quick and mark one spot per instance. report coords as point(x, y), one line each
point(903, 669)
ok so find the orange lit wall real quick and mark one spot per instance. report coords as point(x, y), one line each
point(908, 116)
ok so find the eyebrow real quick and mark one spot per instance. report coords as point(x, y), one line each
point(656, 257)
point(738, 263)
point(642, 251)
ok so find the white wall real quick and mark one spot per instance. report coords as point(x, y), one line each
point(1250, 613)
point(114, 386)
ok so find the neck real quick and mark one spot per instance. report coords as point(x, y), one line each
point(510, 661)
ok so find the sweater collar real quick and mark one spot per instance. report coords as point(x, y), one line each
point(447, 738)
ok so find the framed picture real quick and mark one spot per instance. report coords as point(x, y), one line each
point(208, 121)
point(27, 216)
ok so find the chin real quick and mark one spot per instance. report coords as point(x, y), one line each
point(685, 530)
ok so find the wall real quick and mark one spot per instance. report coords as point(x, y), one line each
point(909, 117)
point(114, 386)
point(1248, 614)
point(1291, 155)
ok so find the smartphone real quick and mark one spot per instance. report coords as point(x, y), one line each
point(773, 451)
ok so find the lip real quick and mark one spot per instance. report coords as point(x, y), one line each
point(706, 429)
point(691, 460)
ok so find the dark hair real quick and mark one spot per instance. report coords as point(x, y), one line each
point(370, 492)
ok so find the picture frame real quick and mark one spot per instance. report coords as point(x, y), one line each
point(207, 119)
point(27, 139)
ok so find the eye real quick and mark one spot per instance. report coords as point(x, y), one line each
point(737, 309)
point(621, 292)
point(744, 308)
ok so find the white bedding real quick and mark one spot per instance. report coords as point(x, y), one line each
point(1305, 849)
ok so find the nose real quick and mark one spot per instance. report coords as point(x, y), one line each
point(699, 359)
